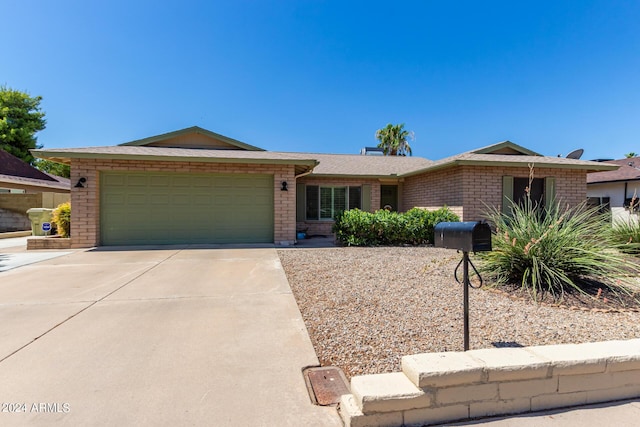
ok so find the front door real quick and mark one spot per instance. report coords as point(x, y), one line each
point(389, 197)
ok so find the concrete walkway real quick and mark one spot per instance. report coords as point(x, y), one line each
point(620, 414)
point(170, 336)
point(13, 253)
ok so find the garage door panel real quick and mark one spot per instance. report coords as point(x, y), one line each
point(156, 208)
point(137, 181)
point(136, 200)
point(202, 200)
point(224, 182)
point(159, 199)
point(108, 180)
point(181, 181)
point(180, 200)
point(114, 199)
point(201, 181)
point(158, 181)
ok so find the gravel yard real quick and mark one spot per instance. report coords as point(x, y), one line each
point(365, 308)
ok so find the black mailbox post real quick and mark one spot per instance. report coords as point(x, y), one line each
point(470, 236)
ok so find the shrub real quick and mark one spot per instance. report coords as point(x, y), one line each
point(358, 228)
point(62, 219)
point(554, 250)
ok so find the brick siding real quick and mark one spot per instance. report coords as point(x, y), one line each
point(476, 187)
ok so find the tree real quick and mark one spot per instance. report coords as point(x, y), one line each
point(20, 119)
point(394, 140)
point(54, 168)
point(631, 154)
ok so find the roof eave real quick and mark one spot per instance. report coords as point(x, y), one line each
point(589, 167)
point(353, 176)
point(461, 162)
point(614, 181)
point(66, 158)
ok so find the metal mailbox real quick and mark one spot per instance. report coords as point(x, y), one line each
point(468, 236)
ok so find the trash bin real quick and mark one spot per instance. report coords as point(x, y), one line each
point(38, 217)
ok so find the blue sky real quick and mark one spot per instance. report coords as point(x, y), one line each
point(322, 76)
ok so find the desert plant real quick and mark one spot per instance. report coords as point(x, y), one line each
point(625, 235)
point(554, 250)
point(62, 218)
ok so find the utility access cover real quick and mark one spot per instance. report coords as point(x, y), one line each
point(326, 385)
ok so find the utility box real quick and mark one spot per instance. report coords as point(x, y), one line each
point(468, 236)
point(39, 216)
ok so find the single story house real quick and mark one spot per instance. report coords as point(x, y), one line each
point(196, 186)
point(617, 189)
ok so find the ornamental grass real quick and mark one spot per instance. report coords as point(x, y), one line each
point(555, 250)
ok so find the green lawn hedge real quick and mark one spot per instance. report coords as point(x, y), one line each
point(415, 227)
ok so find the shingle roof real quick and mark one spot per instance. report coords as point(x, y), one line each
point(20, 182)
point(471, 158)
point(63, 155)
point(330, 164)
point(166, 152)
point(364, 166)
point(15, 172)
point(13, 166)
point(629, 170)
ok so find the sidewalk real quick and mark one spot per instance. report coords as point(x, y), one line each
point(624, 413)
point(13, 253)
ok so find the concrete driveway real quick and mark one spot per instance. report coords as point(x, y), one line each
point(166, 336)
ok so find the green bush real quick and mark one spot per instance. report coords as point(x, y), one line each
point(625, 235)
point(358, 228)
point(554, 250)
point(62, 218)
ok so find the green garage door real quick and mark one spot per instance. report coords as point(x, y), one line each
point(171, 208)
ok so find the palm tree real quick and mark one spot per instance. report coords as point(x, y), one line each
point(630, 155)
point(394, 140)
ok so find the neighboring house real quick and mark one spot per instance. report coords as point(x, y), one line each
point(23, 187)
point(17, 176)
point(616, 189)
point(195, 186)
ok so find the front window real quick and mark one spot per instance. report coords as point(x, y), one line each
point(534, 188)
point(323, 203)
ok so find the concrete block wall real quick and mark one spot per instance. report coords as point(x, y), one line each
point(13, 221)
point(441, 387)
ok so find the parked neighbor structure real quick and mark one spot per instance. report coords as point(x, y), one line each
point(196, 186)
point(617, 189)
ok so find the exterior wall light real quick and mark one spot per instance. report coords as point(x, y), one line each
point(81, 182)
point(284, 186)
